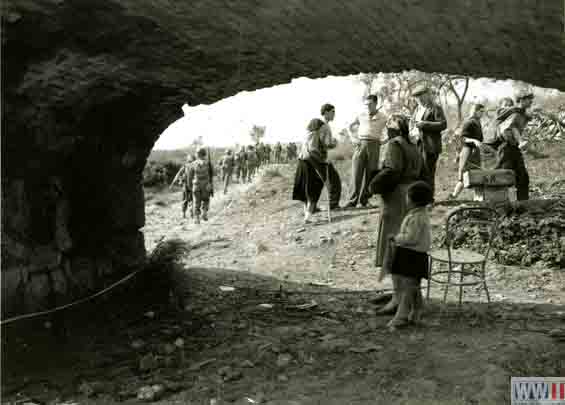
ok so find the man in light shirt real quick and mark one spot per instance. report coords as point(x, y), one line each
point(365, 135)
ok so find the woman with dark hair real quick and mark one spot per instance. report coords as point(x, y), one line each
point(402, 165)
point(309, 180)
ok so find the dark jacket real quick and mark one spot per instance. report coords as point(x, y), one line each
point(431, 130)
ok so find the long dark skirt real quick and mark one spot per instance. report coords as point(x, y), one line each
point(307, 183)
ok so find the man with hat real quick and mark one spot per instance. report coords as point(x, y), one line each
point(365, 136)
point(510, 131)
point(427, 123)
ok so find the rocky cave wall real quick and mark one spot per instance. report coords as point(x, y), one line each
point(88, 85)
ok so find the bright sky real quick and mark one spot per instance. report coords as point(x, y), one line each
point(285, 110)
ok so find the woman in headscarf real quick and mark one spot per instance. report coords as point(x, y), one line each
point(402, 165)
point(309, 180)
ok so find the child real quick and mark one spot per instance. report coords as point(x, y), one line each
point(470, 155)
point(409, 262)
point(201, 181)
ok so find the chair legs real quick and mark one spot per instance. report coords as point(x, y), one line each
point(461, 282)
point(446, 288)
point(485, 281)
point(431, 262)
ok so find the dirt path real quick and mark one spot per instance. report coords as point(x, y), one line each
point(280, 313)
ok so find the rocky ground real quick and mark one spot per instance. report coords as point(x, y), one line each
point(276, 312)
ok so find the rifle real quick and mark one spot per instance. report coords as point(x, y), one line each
point(211, 174)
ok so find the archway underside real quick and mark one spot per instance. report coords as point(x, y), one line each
point(89, 87)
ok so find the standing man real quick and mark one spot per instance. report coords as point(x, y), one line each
point(365, 136)
point(427, 123)
point(227, 165)
point(241, 165)
point(200, 177)
point(329, 142)
point(182, 178)
point(510, 131)
point(278, 151)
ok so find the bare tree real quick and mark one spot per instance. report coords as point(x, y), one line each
point(257, 133)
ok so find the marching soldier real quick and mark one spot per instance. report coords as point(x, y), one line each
point(241, 165)
point(200, 177)
point(227, 165)
point(182, 179)
point(252, 162)
point(278, 152)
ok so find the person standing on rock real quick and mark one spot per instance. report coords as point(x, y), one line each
point(401, 166)
point(472, 138)
point(513, 121)
point(227, 165)
point(200, 178)
point(365, 136)
point(427, 123)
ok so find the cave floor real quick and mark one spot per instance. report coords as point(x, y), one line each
point(279, 313)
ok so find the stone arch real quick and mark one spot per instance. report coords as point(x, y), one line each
point(88, 86)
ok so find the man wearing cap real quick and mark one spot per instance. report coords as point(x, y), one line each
point(427, 123)
point(510, 131)
point(365, 136)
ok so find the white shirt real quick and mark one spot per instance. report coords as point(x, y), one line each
point(417, 117)
point(369, 127)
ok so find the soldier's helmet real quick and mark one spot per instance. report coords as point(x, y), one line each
point(201, 152)
point(228, 152)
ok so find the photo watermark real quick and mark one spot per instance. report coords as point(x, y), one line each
point(537, 390)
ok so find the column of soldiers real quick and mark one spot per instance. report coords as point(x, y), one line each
point(196, 176)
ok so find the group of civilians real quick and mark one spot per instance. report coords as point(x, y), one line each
point(405, 174)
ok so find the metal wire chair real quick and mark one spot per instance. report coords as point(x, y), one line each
point(465, 226)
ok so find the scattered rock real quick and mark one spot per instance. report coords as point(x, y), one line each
point(283, 360)
point(149, 314)
point(335, 345)
point(150, 393)
point(229, 374)
point(91, 388)
point(366, 349)
point(147, 362)
point(167, 348)
point(282, 378)
point(224, 288)
point(179, 342)
point(199, 365)
point(247, 364)
point(300, 230)
point(265, 306)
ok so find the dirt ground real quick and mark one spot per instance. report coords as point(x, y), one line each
point(277, 312)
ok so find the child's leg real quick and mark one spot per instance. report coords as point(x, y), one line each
point(404, 301)
point(418, 302)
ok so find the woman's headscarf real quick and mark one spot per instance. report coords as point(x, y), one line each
point(314, 124)
point(397, 125)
